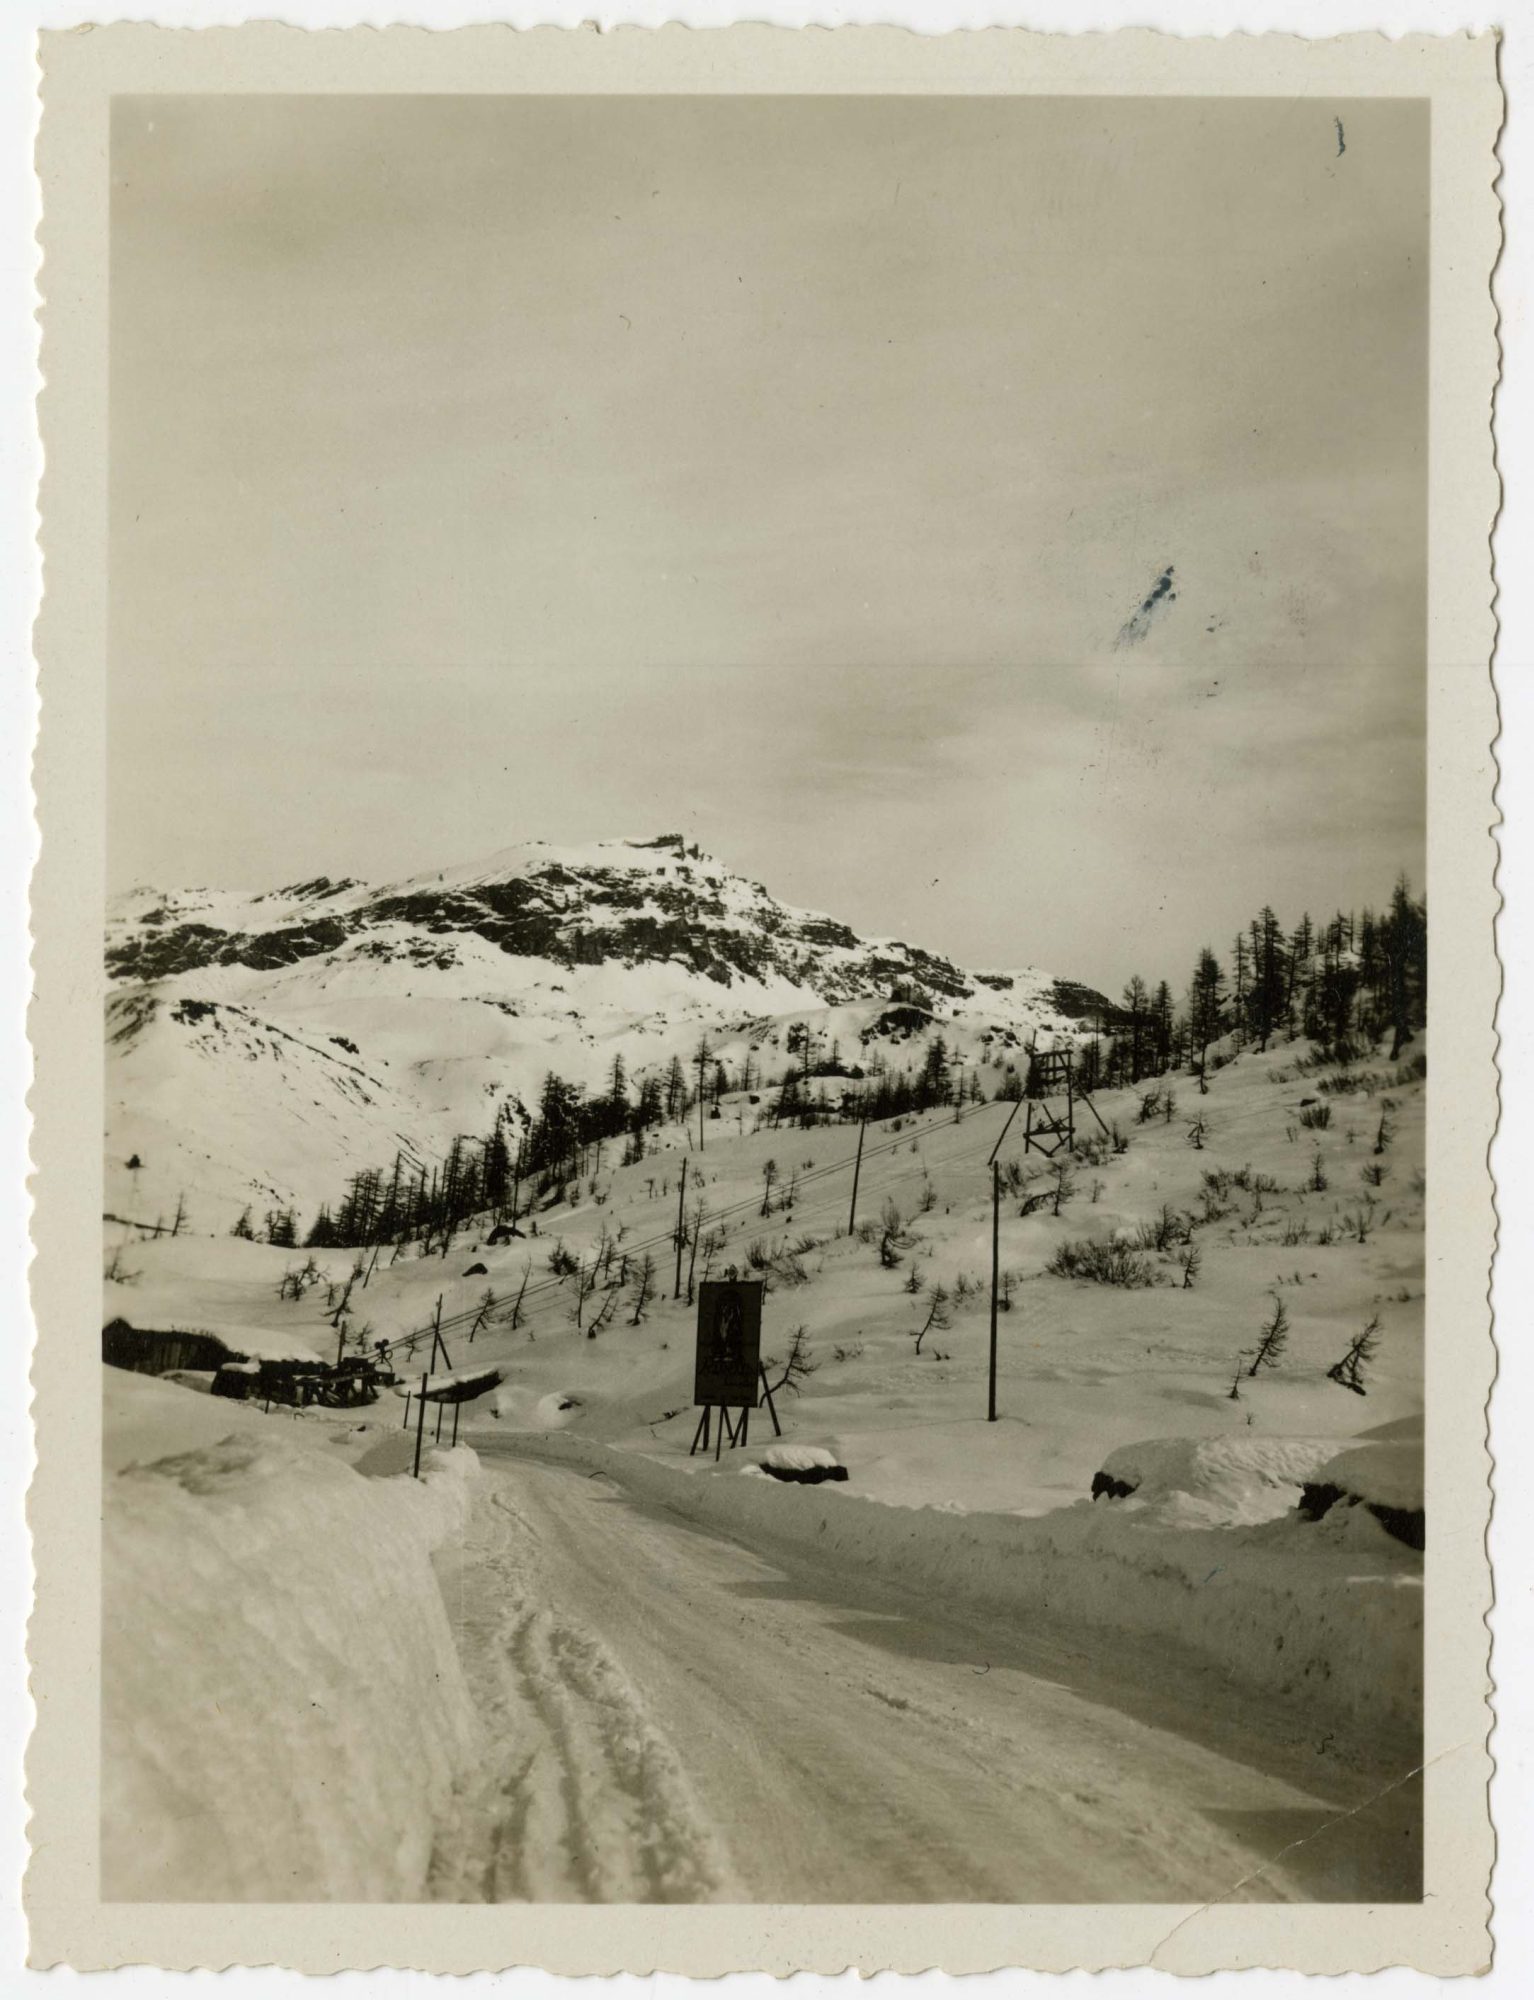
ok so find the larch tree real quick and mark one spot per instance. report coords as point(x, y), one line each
point(1205, 1010)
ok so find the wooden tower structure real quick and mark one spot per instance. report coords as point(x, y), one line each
point(1052, 1094)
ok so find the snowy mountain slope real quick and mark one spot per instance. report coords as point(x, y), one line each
point(260, 1045)
point(1201, 1616)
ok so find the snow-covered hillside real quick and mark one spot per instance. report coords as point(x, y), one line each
point(261, 1046)
point(1086, 1368)
point(1201, 1591)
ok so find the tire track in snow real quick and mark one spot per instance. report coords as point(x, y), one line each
point(582, 1799)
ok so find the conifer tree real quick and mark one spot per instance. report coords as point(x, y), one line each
point(1204, 1011)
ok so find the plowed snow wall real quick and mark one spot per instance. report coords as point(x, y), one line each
point(283, 1708)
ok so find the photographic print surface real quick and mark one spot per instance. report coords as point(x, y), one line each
point(810, 707)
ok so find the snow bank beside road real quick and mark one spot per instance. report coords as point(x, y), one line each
point(1216, 1482)
point(1280, 1611)
point(283, 1707)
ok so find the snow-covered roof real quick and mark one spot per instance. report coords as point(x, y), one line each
point(259, 1343)
point(452, 1385)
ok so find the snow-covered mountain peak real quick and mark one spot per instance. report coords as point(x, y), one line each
point(329, 1018)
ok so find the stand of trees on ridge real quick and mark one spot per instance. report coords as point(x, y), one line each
point(1345, 985)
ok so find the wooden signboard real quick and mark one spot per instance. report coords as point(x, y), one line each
point(729, 1352)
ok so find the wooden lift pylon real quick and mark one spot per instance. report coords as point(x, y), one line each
point(1051, 1075)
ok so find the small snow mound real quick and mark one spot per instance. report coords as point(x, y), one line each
point(1351, 1525)
point(1384, 1474)
point(1401, 1429)
point(797, 1457)
point(525, 1409)
point(559, 1411)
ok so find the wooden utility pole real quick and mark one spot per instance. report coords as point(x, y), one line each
point(990, 1410)
point(990, 1413)
point(681, 1230)
point(857, 1168)
point(420, 1426)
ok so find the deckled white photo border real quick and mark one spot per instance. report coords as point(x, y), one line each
point(1448, 1932)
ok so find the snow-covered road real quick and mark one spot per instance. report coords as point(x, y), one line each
point(672, 1717)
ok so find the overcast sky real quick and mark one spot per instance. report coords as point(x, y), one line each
point(788, 472)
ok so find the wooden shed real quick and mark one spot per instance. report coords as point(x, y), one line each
point(152, 1351)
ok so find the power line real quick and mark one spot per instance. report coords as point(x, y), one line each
point(543, 1289)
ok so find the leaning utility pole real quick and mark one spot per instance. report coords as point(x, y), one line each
point(857, 1168)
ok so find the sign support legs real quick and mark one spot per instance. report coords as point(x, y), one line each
point(730, 1430)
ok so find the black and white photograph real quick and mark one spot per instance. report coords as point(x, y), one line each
point(765, 1174)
